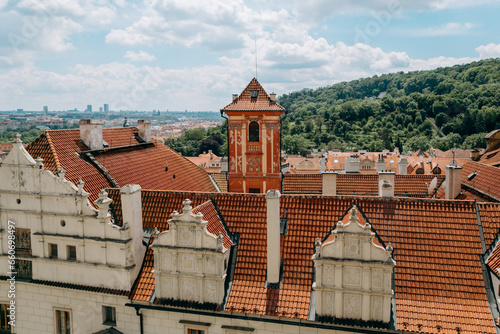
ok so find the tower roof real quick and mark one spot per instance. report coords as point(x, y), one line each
point(246, 101)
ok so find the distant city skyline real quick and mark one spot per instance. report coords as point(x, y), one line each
point(178, 55)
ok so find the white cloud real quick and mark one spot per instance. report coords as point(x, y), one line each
point(140, 56)
point(318, 10)
point(489, 51)
point(448, 29)
point(215, 25)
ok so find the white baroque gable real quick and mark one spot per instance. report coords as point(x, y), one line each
point(353, 272)
point(190, 262)
point(56, 212)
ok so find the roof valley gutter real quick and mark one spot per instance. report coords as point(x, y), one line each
point(488, 284)
point(277, 320)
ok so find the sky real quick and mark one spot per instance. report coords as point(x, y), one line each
point(194, 54)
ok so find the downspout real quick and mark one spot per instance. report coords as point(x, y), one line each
point(141, 321)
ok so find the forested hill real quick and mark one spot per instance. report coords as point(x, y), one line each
point(442, 108)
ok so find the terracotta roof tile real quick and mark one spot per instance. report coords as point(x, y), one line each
point(359, 184)
point(491, 158)
point(436, 244)
point(221, 180)
point(487, 179)
point(144, 165)
point(261, 103)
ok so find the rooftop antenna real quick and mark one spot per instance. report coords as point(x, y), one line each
point(255, 39)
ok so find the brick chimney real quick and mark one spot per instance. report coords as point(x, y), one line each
point(403, 166)
point(272, 96)
point(144, 127)
point(453, 184)
point(329, 183)
point(386, 184)
point(273, 236)
point(235, 97)
point(91, 133)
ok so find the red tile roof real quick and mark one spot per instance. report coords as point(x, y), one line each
point(490, 215)
point(261, 103)
point(359, 184)
point(486, 181)
point(491, 158)
point(438, 277)
point(221, 180)
point(214, 224)
point(140, 164)
point(302, 183)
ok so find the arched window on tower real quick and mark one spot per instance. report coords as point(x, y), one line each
point(253, 132)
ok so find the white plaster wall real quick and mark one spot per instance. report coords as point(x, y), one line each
point(36, 304)
point(156, 322)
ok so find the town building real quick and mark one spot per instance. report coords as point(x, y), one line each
point(132, 258)
point(254, 142)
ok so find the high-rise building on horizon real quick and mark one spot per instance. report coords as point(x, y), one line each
point(89, 107)
point(45, 110)
point(106, 107)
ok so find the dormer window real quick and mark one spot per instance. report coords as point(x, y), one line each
point(253, 132)
point(254, 94)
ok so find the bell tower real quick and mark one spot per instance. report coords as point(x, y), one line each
point(254, 120)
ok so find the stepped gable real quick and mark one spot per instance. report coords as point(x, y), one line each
point(261, 103)
point(438, 278)
point(126, 160)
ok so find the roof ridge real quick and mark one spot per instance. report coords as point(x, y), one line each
point(53, 150)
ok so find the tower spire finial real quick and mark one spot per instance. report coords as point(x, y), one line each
point(256, 73)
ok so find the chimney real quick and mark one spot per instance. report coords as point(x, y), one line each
point(235, 97)
point(132, 220)
point(322, 165)
point(272, 96)
point(352, 165)
point(273, 236)
point(211, 154)
point(474, 154)
point(403, 166)
point(144, 127)
point(91, 133)
point(224, 165)
point(421, 159)
point(453, 183)
point(380, 164)
point(329, 183)
point(386, 184)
